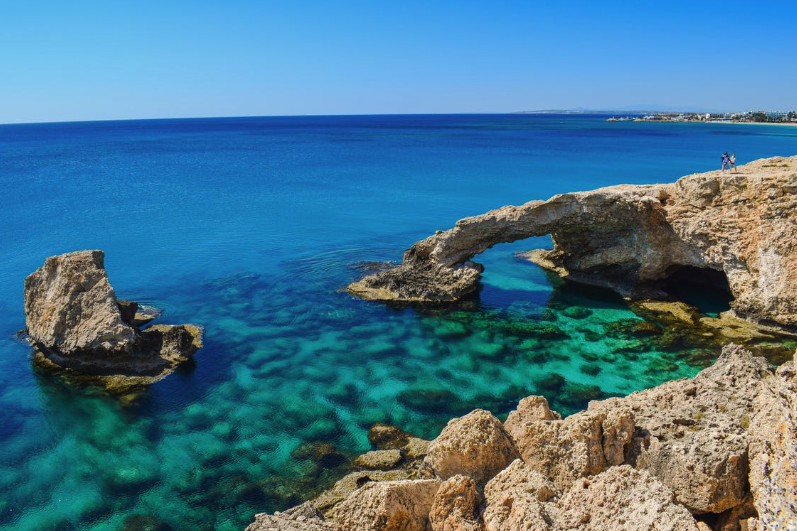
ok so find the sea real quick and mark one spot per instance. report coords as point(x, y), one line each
point(252, 227)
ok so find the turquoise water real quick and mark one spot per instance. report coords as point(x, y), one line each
point(252, 227)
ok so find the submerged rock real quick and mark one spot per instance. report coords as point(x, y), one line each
point(737, 230)
point(75, 323)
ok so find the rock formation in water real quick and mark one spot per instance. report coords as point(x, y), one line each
point(715, 452)
point(716, 226)
point(75, 322)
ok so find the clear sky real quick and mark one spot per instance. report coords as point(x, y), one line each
point(114, 59)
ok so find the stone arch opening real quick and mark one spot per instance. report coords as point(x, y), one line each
point(705, 288)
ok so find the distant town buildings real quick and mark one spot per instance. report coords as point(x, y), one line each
point(749, 116)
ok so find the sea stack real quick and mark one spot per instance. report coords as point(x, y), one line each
point(75, 322)
point(733, 230)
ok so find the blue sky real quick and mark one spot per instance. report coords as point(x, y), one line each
point(95, 60)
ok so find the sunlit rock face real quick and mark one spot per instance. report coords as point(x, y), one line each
point(75, 322)
point(740, 225)
point(71, 307)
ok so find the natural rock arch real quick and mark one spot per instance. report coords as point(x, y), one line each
point(629, 238)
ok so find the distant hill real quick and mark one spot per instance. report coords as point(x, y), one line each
point(627, 109)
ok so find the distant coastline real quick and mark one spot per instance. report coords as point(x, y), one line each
point(672, 120)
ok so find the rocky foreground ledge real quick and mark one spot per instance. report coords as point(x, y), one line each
point(716, 452)
point(737, 229)
point(76, 324)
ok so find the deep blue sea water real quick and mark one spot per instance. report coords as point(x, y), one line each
point(252, 227)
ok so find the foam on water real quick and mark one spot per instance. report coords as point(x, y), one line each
point(252, 228)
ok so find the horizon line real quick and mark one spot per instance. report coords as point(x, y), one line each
point(538, 111)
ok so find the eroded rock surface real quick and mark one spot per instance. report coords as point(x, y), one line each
point(692, 434)
point(70, 306)
point(303, 517)
point(456, 506)
point(622, 498)
point(475, 445)
point(630, 238)
point(75, 323)
point(773, 470)
point(388, 506)
point(514, 499)
point(564, 450)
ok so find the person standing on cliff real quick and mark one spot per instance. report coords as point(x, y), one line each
point(732, 162)
point(725, 160)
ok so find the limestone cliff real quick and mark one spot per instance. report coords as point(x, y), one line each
point(742, 225)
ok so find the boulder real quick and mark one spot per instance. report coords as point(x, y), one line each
point(736, 230)
point(77, 326)
point(456, 506)
point(532, 408)
point(622, 499)
point(475, 445)
point(388, 506)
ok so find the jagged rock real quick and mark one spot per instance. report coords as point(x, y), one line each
point(514, 500)
point(70, 307)
point(622, 499)
point(388, 506)
point(77, 326)
point(564, 450)
point(456, 506)
point(531, 408)
point(691, 434)
point(618, 432)
point(773, 447)
point(475, 445)
point(630, 239)
point(303, 517)
point(379, 459)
